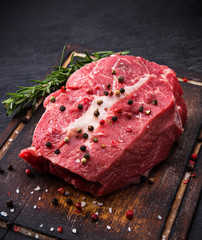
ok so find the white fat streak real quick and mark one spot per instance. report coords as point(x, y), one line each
point(88, 117)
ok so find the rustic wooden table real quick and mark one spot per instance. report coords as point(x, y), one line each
point(34, 32)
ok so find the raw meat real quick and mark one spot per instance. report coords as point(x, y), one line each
point(134, 131)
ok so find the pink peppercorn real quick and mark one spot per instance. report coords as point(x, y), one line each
point(89, 91)
point(193, 175)
point(102, 122)
point(194, 156)
point(78, 206)
point(97, 87)
point(119, 110)
point(129, 214)
point(63, 89)
point(185, 79)
point(191, 162)
point(129, 130)
point(94, 217)
point(129, 115)
point(28, 172)
point(60, 229)
point(61, 190)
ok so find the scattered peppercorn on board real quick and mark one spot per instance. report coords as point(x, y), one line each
point(162, 205)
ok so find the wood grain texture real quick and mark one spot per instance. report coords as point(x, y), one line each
point(148, 201)
point(3, 232)
point(181, 213)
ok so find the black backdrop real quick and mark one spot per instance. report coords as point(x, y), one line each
point(33, 33)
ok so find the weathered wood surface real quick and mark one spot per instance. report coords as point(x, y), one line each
point(181, 226)
point(149, 202)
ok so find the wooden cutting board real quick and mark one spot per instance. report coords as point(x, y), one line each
point(162, 210)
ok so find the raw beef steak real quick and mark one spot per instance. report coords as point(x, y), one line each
point(118, 118)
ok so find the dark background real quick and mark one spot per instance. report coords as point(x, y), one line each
point(33, 33)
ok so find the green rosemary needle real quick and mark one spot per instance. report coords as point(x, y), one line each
point(29, 95)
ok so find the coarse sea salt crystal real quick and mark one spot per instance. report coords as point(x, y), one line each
point(96, 213)
point(186, 176)
point(4, 214)
point(94, 202)
point(129, 229)
point(35, 206)
point(74, 230)
point(37, 188)
point(163, 237)
point(41, 225)
point(4, 149)
point(83, 204)
point(31, 192)
point(10, 139)
point(110, 210)
point(12, 210)
point(17, 190)
point(52, 229)
point(36, 235)
point(159, 217)
point(77, 160)
point(16, 132)
point(108, 227)
point(39, 198)
point(66, 193)
point(46, 190)
point(99, 204)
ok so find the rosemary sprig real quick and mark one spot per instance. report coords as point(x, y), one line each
point(29, 95)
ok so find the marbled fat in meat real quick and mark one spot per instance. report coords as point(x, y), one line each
point(126, 148)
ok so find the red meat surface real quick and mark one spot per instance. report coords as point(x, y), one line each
point(126, 148)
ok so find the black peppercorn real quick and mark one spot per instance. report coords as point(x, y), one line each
point(155, 102)
point(9, 225)
point(1, 170)
point(96, 113)
point(79, 130)
point(87, 155)
point(122, 90)
point(143, 179)
point(10, 203)
point(120, 78)
point(62, 108)
point(10, 167)
point(48, 144)
point(24, 119)
point(54, 201)
point(57, 151)
point(114, 118)
point(113, 71)
point(130, 102)
point(140, 108)
point(90, 128)
point(83, 148)
point(85, 135)
point(69, 201)
point(80, 106)
point(190, 168)
point(106, 93)
point(108, 85)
